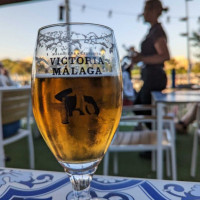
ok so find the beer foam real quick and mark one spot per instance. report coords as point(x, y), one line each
point(76, 76)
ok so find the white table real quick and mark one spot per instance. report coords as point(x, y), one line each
point(160, 99)
point(20, 184)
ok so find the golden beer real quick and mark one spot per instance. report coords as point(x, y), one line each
point(77, 116)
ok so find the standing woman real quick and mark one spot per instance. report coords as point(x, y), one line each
point(154, 52)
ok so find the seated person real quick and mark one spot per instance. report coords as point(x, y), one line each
point(128, 91)
point(5, 80)
point(10, 129)
point(187, 119)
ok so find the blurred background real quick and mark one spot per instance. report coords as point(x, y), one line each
point(20, 22)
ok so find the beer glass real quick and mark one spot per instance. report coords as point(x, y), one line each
point(77, 96)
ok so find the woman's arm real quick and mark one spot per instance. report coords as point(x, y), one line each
point(161, 56)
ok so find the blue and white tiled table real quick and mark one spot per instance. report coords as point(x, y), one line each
point(17, 184)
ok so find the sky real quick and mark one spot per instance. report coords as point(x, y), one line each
point(19, 23)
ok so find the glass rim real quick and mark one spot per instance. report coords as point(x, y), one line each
point(74, 23)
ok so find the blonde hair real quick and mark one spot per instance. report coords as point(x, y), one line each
point(156, 4)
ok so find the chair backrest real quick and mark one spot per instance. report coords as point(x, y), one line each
point(15, 104)
point(131, 120)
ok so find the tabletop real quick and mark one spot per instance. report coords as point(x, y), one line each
point(182, 96)
point(21, 184)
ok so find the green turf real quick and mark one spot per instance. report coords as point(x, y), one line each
point(130, 164)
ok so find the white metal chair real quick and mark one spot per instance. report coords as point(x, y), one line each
point(196, 138)
point(145, 140)
point(15, 104)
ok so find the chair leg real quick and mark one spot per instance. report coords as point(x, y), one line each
point(31, 151)
point(106, 164)
point(153, 161)
point(194, 154)
point(2, 157)
point(115, 163)
point(168, 164)
point(173, 150)
point(173, 130)
point(173, 157)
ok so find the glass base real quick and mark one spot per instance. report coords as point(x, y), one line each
point(71, 196)
point(80, 175)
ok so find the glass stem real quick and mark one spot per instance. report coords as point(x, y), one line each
point(81, 186)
